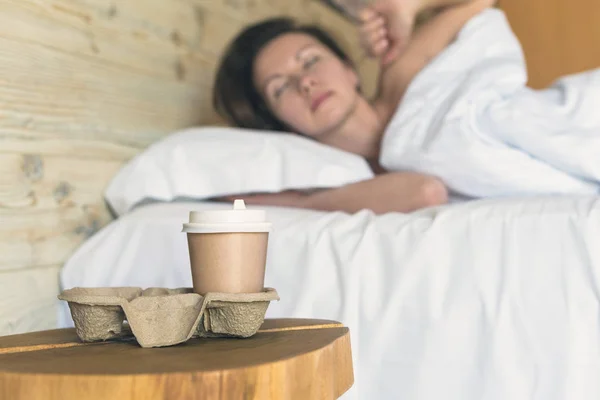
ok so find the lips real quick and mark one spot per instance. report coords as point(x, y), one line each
point(318, 100)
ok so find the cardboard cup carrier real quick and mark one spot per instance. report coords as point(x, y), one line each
point(228, 250)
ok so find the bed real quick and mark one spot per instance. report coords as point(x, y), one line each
point(86, 85)
point(489, 299)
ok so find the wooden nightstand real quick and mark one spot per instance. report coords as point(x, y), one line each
point(287, 359)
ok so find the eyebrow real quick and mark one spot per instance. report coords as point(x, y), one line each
point(298, 54)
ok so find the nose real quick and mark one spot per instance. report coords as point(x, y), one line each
point(306, 82)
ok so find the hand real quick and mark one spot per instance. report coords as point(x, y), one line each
point(386, 27)
point(373, 33)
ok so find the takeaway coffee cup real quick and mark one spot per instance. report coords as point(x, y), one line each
point(228, 249)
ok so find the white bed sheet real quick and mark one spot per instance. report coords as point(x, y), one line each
point(489, 299)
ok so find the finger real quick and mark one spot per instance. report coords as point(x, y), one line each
point(380, 48)
point(377, 49)
point(367, 14)
point(373, 34)
point(373, 25)
point(372, 45)
point(377, 35)
point(391, 55)
point(370, 33)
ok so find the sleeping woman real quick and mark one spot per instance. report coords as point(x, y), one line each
point(452, 109)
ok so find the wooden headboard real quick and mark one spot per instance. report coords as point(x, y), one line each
point(87, 84)
point(559, 36)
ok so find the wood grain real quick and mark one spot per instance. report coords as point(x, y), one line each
point(59, 338)
point(311, 363)
point(559, 37)
point(28, 301)
point(46, 237)
point(40, 182)
point(48, 205)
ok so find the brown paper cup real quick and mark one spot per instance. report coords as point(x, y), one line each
point(228, 262)
point(228, 250)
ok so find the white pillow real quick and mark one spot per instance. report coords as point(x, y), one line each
point(205, 162)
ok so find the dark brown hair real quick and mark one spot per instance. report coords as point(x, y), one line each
point(235, 97)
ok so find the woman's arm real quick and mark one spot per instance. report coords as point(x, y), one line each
point(399, 18)
point(391, 192)
point(426, 43)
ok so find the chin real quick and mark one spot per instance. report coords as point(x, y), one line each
point(333, 119)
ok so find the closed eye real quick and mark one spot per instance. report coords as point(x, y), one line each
point(279, 91)
point(311, 61)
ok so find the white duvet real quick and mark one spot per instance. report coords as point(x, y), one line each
point(469, 119)
point(490, 299)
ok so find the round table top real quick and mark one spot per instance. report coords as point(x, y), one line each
point(279, 361)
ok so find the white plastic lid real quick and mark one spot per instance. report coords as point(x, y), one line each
point(238, 219)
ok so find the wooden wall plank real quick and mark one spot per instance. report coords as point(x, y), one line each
point(41, 182)
point(49, 205)
point(89, 149)
point(63, 77)
point(28, 301)
point(54, 106)
point(30, 238)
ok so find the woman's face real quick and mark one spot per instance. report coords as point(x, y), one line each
point(305, 84)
